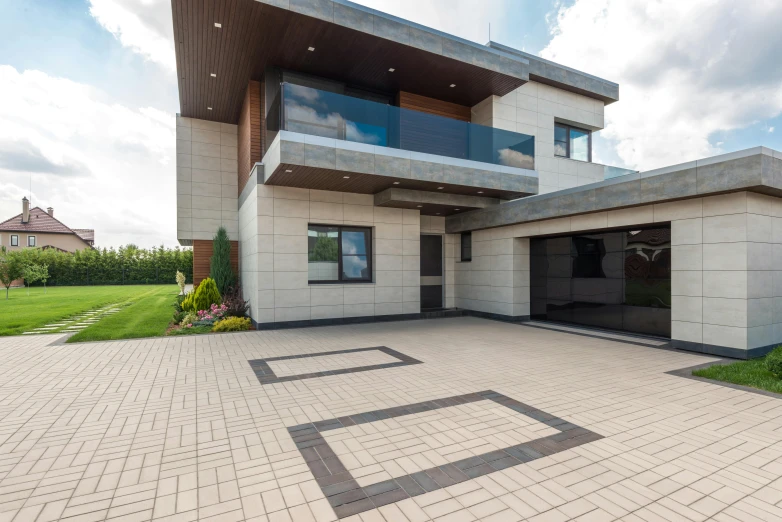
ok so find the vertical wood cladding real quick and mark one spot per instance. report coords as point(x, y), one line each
point(202, 251)
point(251, 124)
point(416, 102)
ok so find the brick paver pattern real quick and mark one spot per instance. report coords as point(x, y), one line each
point(181, 428)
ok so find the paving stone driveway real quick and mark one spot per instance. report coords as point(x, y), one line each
point(182, 429)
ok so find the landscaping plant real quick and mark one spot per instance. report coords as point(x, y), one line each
point(33, 272)
point(188, 320)
point(234, 302)
point(187, 304)
point(206, 295)
point(773, 362)
point(233, 324)
point(10, 269)
point(180, 280)
point(220, 268)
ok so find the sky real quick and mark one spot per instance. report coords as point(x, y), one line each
point(88, 91)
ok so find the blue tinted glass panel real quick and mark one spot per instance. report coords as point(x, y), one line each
point(579, 145)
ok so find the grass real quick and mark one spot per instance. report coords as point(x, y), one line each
point(748, 373)
point(141, 303)
point(148, 315)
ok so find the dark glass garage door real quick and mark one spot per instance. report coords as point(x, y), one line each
point(619, 280)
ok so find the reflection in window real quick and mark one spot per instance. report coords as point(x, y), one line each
point(339, 254)
point(466, 246)
point(571, 142)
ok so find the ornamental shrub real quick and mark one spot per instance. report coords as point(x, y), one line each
point(206, 295)
point(188, 301)
point(774, 362)
point(180, 281)
point(188, 319)
point(232, 324)
point(220, 268)
point(234, 302)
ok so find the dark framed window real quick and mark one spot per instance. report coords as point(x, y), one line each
point(572, 142)
point(14, 240)
point(466, 246)
point(339, 254)
point(31, 241)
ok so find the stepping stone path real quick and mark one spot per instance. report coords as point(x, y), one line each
point(77, 322)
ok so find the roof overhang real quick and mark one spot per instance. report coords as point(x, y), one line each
point(352, 44)
point(755, 170)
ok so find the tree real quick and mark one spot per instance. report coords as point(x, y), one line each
point(220, 268)
point(10, 269)
point(33, 272)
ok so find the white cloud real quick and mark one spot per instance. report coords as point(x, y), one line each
point(770, 129)
point(685, 70)
point(145, 26)
point(100, 164)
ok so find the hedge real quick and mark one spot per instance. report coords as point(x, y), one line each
point(128, 265)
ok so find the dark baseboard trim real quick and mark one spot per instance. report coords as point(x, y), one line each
point(497, 317)
point(722, 351)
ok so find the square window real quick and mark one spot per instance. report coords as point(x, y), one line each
point(339, 254)
point(571, 142)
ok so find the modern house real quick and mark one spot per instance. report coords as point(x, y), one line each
point(370, 168)
point(38, 228)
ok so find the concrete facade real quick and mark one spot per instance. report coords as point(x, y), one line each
point(207, 182)
point(533, 109)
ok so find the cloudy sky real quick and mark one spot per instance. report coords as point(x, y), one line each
point(88, 91)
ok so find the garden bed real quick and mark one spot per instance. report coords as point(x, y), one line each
point(752, 373)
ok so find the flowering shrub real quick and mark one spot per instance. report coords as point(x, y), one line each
point(211, 316)
point(188, 320)
point(180, 281)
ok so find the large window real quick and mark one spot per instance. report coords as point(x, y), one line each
point(466, 246)
point(31, 241)
point(572, 142)
point(14, 240)
point(339, 254)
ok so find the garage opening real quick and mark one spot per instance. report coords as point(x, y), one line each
point(619, 280)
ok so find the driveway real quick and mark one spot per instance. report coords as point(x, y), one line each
point(448, 419)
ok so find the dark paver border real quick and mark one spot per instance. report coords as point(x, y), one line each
point(687, 374)
point(348, 498)
point(267, 376)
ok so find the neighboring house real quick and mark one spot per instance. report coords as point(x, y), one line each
point(372, 168)
point(38, 228)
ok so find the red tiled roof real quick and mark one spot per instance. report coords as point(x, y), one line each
point(87, 234)
point(40, 221)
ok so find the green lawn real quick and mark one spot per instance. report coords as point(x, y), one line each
point(748, 373)
point(146, 309)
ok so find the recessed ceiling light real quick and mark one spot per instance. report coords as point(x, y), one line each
point(457, 209)
point(209, 108)
point(218, 25)
point(310, 48)
point(439, 188)
point(346, 177)
point(391, 69)
point(288, 170)
point(396, 183)
point(438, 213)
point(480, 192)
point(213, 75)
point(419, 206)
point(453, 85)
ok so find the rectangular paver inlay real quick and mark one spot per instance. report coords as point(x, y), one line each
point(309, 365)
point(447, 440)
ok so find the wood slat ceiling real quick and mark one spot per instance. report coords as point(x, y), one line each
point(326, 179)
point(254, 36)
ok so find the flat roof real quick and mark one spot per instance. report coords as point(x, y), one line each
point(351, 43)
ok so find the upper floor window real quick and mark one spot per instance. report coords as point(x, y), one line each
point(466, 246)
point(339, 254)
point(14, 240)
point(572, 142)
point(31, 241)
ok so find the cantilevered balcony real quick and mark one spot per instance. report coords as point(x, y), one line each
point(330, 141)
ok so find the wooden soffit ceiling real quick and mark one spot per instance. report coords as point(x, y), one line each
point(256, 35)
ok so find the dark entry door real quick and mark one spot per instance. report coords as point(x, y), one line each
point(431, 272)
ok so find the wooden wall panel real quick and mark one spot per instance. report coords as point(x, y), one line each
point(202, 251)
point(251, 146)
point(420, 103)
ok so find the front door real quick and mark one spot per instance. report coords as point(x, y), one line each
point(431, 272)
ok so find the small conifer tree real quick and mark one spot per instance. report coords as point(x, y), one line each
point(220, 268)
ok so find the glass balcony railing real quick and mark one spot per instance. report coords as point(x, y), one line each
point(330, 115)
point(616, 172)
